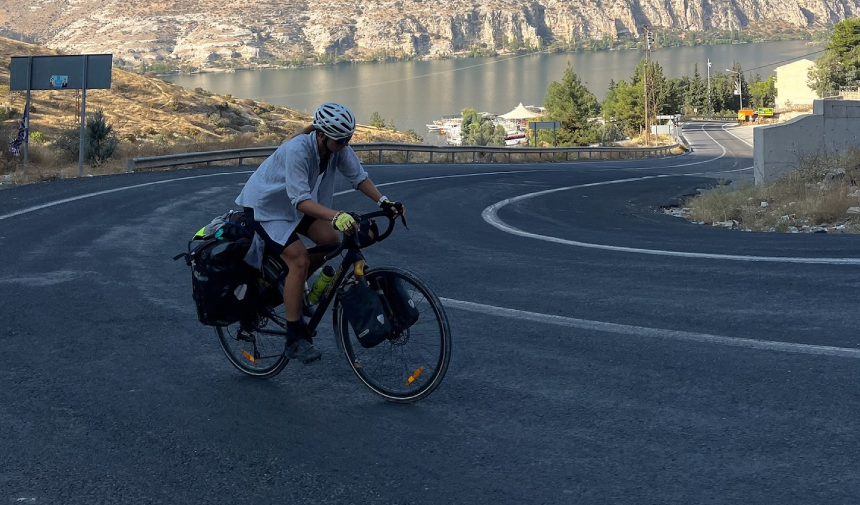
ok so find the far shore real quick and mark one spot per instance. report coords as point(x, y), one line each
point(457, 55)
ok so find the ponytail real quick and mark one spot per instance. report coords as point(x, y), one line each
point(304, 131)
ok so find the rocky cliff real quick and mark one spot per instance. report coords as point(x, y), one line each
point(235, 33)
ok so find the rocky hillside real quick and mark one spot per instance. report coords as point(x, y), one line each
point(234, 33)
point(150, 115)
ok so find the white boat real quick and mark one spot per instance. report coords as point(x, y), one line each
point(434, 127)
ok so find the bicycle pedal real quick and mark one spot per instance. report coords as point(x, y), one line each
point(245, 337)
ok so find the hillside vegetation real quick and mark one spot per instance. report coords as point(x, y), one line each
point(149, 116)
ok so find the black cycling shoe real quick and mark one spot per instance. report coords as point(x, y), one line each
point(303, 351)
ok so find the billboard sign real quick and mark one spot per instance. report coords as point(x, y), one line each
point(60, 72)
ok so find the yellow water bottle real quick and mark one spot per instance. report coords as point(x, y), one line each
point(320, 285)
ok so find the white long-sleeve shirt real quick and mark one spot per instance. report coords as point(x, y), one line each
point(291, 175)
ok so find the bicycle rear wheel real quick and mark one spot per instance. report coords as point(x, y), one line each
point(411, 365)
point(257, 348)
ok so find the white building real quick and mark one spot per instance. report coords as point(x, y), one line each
point(791, 86)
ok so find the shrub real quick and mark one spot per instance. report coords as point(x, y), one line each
point(101, 138)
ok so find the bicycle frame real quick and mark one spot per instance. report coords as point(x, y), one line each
point(353, 261)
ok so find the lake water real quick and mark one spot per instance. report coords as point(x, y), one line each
point(415, 93)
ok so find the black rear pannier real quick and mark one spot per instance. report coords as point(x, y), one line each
point(363, 309)
point(223, 286)
point(403, 311)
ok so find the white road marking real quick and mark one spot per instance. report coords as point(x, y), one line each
point(735, 136)
point(108, 191)
point(490, 215)
point(645, 332)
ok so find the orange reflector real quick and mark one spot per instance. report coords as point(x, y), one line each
point(414, 375)
point(247, 355)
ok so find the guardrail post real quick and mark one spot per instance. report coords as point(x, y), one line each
point(240, 161)
point(492, 158)
point(474, 153)
point(509, 156)
point(129, 165)
point(452, 156)
point(431, 156)
point(407, 156)
point(380, 156)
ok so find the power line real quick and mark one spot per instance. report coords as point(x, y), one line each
point(783, 61)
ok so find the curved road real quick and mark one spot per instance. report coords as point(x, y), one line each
point(605, 352)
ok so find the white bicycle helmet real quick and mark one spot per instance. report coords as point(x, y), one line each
point(336, 121)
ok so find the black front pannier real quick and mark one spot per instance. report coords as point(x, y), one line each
point(363, 309)
point(403, 311)
point(223, 286)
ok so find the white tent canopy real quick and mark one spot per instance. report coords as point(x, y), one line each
point(519, 112)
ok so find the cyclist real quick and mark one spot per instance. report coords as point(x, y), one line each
point(291, 193)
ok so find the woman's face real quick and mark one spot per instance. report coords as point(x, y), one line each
point(334, 145)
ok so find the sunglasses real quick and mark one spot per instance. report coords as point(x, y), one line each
point(341, 142)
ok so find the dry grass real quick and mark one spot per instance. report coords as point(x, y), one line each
point(151, 117)
point(817, 196)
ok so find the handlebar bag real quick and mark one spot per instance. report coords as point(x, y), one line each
point(363, 309)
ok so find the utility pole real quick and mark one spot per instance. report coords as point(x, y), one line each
point(738, 89)
point(648, 39)
point(710, 112)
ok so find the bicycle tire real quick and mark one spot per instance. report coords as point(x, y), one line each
point(254, 353)
point(382, 367)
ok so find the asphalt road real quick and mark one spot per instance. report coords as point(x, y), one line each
point(604, 352)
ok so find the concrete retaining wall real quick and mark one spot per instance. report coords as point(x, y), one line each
point(833, 127)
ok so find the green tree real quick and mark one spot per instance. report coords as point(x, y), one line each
point(609, 101)
point(101, 141)
point(469, 117)
point(763, 93)
point(677, 91)
point(475, 131)
point(826, 75)
point(376, 120)
point(630, 106)
point(845, 44)
point(101, 138)
point(413, 135)
point(570, 103)
point(840, 65)
point(697, 96)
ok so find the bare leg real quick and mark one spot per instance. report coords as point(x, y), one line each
point(321, 233)
point(296, 258)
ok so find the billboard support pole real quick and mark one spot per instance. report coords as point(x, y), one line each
point(83, 121)
point(26, 110)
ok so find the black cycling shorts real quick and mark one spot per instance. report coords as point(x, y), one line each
point(272, 246)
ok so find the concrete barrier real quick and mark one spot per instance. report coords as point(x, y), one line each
point(833, 127)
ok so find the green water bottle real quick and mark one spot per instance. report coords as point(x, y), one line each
point(320, 284)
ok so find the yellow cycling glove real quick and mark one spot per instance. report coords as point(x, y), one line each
point(343, 221)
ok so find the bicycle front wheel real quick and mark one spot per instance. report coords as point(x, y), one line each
point(412, 363)
point(256, 347)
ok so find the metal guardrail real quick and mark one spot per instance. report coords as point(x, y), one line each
point(706, 117)
point(409, 153)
